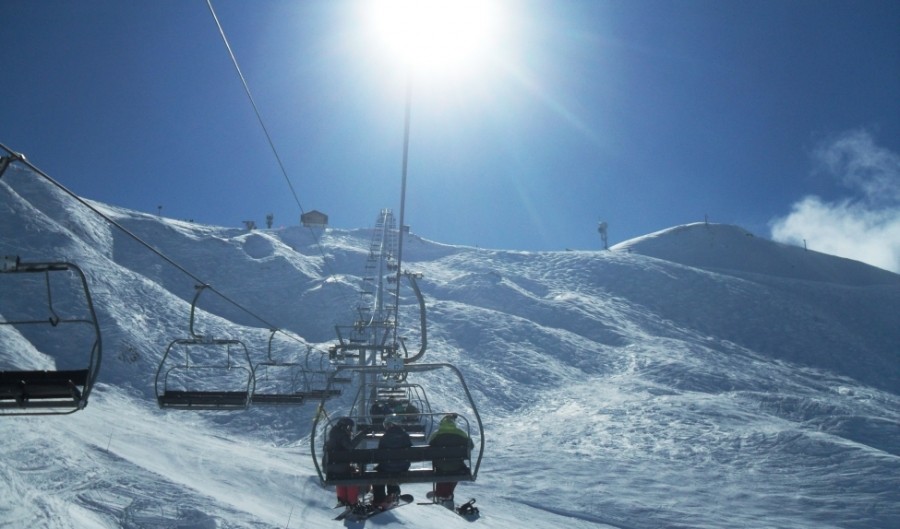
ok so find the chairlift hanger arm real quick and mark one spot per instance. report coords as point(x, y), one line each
point(200, 288)
point(4, 163)
point(422, 320)
point(13, 156)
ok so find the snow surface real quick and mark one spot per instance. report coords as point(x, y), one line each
point(695, 377)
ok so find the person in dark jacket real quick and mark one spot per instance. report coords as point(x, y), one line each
point(448, 434)
point(340, 439)
point(394, 437)
point(378, 411)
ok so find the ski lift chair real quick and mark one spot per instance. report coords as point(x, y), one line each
point(201, 373)
point(290, 383)
point(51, 391)
point(408, 401)
point(222, 384)
point(421, 456)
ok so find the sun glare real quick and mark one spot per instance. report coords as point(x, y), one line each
point(435, 35)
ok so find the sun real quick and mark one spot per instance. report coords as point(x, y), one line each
point(433, 36)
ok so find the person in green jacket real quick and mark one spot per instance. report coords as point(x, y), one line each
point(448, 434)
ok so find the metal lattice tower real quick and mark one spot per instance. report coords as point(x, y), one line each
point(377, 303)
point(374, 327)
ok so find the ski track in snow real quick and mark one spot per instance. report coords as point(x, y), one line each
point(696, 377)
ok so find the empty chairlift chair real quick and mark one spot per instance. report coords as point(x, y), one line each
point(47, 321)
point(279, 382)
point(203, 373)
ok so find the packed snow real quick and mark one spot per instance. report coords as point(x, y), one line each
point(696, 377)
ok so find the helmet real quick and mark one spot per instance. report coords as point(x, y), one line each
point(345, 422)
point(391, 419)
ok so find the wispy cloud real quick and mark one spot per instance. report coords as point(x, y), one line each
point(865, 225)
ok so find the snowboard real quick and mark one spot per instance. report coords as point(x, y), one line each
point(466, 510)
point(364, 512)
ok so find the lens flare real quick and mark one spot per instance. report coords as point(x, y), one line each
point(435, 35)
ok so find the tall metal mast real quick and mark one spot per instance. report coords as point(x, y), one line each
point(403, 198)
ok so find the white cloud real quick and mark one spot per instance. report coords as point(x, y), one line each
point(865, 225)
point(861, 165)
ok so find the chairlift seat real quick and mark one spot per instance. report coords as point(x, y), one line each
point(372, 456)
point(276, 398)
point(209, 400)
point(42, 389)
point(322, 393)
point(298, 397)
point(294, 398)
point(384, 394)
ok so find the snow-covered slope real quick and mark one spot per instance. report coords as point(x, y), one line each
point(731, 249)
point(695, 377)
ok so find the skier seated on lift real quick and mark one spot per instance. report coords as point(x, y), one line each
point(379, 410)
point(409, 411)
point(340, 440)
point(395, 437)
point(448, 434)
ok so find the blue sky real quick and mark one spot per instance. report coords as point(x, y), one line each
point(773, 115)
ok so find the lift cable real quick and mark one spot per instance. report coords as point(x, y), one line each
point(20, 158)
point(253, 104)
point(264, 128)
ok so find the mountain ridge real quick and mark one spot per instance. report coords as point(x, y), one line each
point(729, 247)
